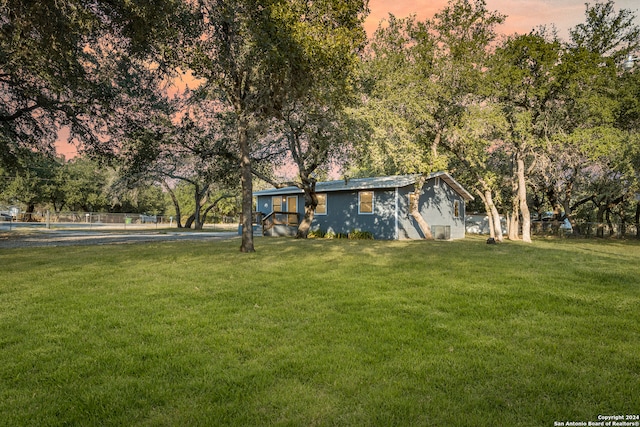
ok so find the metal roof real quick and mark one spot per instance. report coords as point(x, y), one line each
point(382, 182)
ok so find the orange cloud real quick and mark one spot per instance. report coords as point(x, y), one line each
point(522, 15)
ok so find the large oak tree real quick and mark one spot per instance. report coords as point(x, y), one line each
point(256, 56)
point(79, 64)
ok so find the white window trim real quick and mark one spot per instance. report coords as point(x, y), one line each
point(273, 205)
point(373, 200)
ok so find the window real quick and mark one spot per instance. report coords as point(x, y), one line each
point(292, 209)
point(456, 209)
point(321, 209)
point(277, 203)
point(365, 202)
point(292, 203)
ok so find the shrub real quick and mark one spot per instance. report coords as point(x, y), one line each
point(334, 235)
point(320, 234)
point(360, 235)
point(353, 235)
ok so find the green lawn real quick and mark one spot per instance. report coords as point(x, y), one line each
point(303, 333)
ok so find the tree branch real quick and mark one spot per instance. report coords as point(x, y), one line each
point(275, 183)
point(19, 113)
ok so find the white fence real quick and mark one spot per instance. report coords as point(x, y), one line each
point(87, 220)
point(97, 220)
point(478, 224)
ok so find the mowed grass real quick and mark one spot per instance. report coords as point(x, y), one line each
point(320, 333)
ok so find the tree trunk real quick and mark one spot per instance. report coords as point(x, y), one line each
point(495, 216)
point(415, 211)
point(514, 225)
point(492, 211)
point(176, 205)
point(422, 224)
point(305, 224)
point(600, 220)
point(198, 205)
point(189, 222)
point(569, 215)
point(57, 208)
point(28, 215)
point(310, 204)
point(522, 195)
point(247, 187)
point(513, 219)
point(637, 218)
point(213, 205)
point(487, 208)
point(571, 208)
point(434, 147)
point(200, 199)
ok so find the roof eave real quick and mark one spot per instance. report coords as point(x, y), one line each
point(398, 182)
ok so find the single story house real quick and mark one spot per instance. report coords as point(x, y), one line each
point(376, 205)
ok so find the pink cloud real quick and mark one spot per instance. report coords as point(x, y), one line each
point(522, 15)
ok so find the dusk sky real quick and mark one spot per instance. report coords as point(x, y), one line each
point(522, 15)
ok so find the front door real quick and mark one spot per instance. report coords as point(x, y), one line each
point(292, 209)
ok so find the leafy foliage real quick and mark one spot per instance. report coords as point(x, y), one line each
point(82, 64)
point(524, 120)
point(260, 57)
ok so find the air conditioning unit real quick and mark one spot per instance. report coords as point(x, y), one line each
point(441, 232)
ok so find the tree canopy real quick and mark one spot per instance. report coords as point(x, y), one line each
point(530, 123)
point(519, 119)
point(258, 56)
point(74, 63)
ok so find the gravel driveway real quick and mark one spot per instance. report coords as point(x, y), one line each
point(74, 238)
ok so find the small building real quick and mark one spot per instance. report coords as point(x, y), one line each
point(376, 205)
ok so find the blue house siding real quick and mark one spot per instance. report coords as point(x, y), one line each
point(265, 203)
point(437, 205)
point(440, 199)
point(343, 217)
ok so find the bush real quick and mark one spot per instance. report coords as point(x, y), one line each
point(360, 235)
point(320, 234)
point(353, 235)
point(334, 235)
